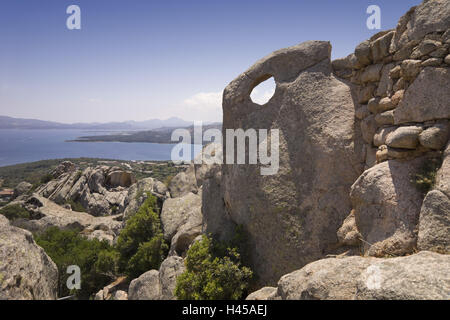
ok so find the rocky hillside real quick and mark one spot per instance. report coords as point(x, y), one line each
point(364, 158)
point(359, 208)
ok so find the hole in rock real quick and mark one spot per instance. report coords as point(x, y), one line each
point(263, 92)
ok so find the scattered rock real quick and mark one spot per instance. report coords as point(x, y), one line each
point(146, 287)
point(137, 194)
point(447, 59)
point(120, 178)
point(265, 293)
point(426, 98)
point(404, 137)
point(348, 233)
point(177, 211)
point(432, 62)
point(183, 183)
point(435, 137)
point(170, 269)
point(380, 137)
point(362, 112)
point(410, 69)
point(434, 223)
point(363, 53)
point(22, 188)
point(387, 207)
point(380, 47)
point(385, 104)
point(425, 47)
point(385, 118)
point(368, 128)
point(372, 73)
point(419, 276)
point(397, 97)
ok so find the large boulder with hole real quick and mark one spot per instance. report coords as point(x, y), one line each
point(291, 215)
point(26, 272)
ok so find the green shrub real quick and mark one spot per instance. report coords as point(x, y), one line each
point(426, 177)
point(97, 260)
point(46, 178)
point(76, 206)
point(15, 211)
point(140, 243)
point(213, 272)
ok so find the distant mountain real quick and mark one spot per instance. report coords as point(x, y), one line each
point(18, 123)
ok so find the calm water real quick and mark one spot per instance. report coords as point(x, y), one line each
point(19, 146)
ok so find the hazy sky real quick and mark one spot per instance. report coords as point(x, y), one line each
point(142, 59)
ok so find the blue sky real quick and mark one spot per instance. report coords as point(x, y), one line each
point(141, 59)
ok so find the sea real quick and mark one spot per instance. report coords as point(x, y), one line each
point(20, 146)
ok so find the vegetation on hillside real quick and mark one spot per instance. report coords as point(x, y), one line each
point(214, 271)
point(96, 259)
point(38, 172)
point(15, 211)
point(141, 245)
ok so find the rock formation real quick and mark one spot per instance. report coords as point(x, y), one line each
point(420, 276)
point(355, 134)
point(26, 272)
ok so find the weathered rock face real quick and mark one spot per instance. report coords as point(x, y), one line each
point(101, 190)
point(176, 212)
point(169, 270)
point(146, 287)
point(120, 178)
point(420, 276)
point(265, 293)
point(22, 188)
point(26, 272)
point(434, 223)
point(387, 207)
point(158, 285)
point(183, 183)
point(292, 217)
point(137, 194)
point(324, 279)
point(46, 214)
point(427, 98)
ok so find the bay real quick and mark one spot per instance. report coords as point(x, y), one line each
point(20, 146)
